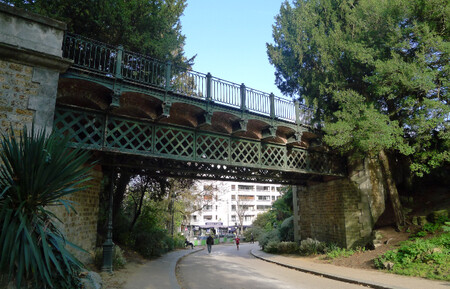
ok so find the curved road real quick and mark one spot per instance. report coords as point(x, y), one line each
point(228, 268)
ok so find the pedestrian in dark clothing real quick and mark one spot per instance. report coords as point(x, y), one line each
point(252, 239)
point(237, 242)
point(209, 243)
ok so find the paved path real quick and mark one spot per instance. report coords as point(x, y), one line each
point(160, 273)
point(371, 278)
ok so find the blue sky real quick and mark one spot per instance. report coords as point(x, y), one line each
point(229, 38)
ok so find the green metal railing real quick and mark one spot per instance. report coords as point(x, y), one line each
point(99, 131)
point(115, 62)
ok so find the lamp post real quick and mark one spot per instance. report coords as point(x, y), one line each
point(108, 245)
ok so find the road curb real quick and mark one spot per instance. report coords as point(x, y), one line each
point(326, 275)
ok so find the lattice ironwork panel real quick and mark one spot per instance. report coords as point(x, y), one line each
point(174, 142)
point(319, 162)
point(245, 152)
point(86, 130)
point(297, 159)
point(215, 148)
point(273, 156)
point(129, 135)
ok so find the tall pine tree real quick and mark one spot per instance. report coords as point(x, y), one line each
point(377, 73)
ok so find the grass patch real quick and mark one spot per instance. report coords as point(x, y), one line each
point(428, 258)
point(342, 252)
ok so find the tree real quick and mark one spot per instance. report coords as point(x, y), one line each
point(371, 68)
point(150, 27)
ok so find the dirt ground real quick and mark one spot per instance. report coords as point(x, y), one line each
point(118, 278)
point(363, 260)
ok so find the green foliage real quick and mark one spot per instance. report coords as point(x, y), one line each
point(119, 260)
point(255, 231)
point(265, 220)
point(428, 258)
point(336, 252)
point(269, 236)
point(276, 247)
point(150, 243)
point(151, 27)
point(37, 172)
point(446, 227)
point(286, 230)
point(312, 247)
point(271, 247)
point(288, 248)
point(371, 69)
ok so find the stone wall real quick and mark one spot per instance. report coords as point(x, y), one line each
point(16, 88)
point(30, 53)
point(342, 211)
point(30, 64)
point(81, 228)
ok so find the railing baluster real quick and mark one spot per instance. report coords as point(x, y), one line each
point(115, 62)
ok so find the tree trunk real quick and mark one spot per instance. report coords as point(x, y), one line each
point(393, 193)
point(138, 210)
point(119, 193)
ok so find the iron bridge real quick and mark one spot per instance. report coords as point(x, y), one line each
point(136, 111)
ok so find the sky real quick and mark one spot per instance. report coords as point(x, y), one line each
point(229, 38)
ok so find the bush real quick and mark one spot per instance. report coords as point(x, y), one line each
point(423, 258)
point(337, 252)
point(151, 243)
point(271, 247)
point(287, 230)
point(119, 260)
point(311, 247)
point(255, 231)
point(266, 237)
point(288, 248)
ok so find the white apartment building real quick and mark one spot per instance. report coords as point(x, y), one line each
point(227, 203)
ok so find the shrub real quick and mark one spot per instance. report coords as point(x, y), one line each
point(119, 260)
point(36, 172)
point(151, 243)
point(288, 248)
point(266, 237)
point(311, 247)
point(271, 247)
point(342, 252)
point(424, 258)
point(287, 230)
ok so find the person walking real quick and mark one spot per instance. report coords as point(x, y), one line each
point(209, 243)
point(237, 242)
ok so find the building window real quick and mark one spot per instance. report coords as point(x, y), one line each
point(233, 207)
point(208, 208)
point(207, 217)
point(194, 218)
point(233, 197)
point(233, 187)
point(233, 218)
point(263, 188)
point(245, 188)
point(263, 207)
point(273, 198)
point(248, 218)
point(246, 198)
point(263, 198)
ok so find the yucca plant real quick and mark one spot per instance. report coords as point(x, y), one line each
point(36, 172)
